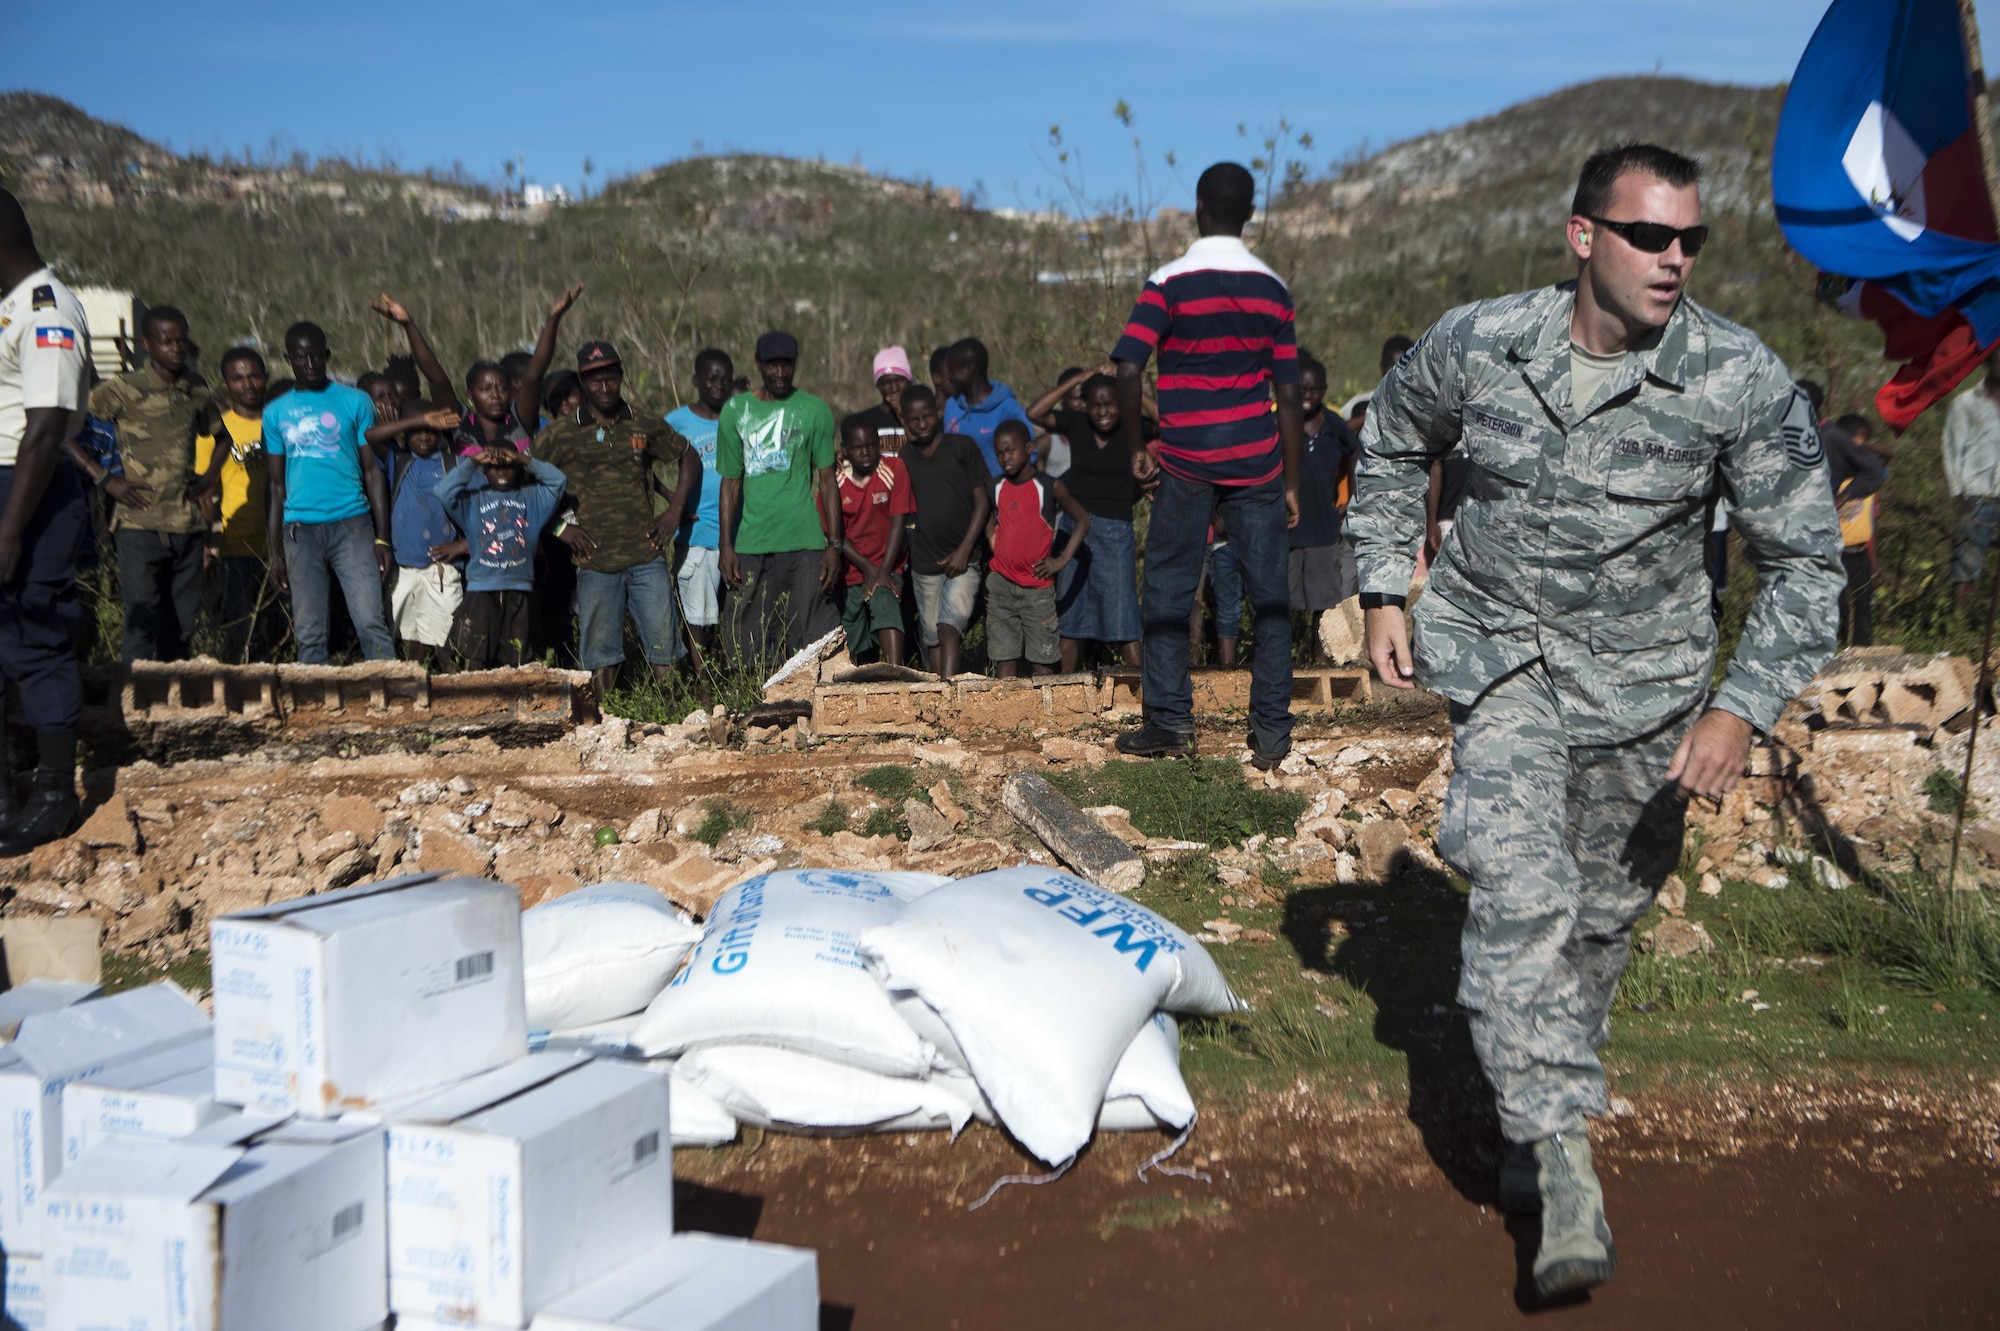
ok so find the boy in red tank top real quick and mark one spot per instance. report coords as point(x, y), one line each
point(1021, 620)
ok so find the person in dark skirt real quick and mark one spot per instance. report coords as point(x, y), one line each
point(1097, 597)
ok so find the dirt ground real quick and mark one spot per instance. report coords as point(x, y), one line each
point(1813, 1215)
point(1852, 1203)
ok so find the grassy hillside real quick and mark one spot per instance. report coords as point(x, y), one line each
point(715, 249)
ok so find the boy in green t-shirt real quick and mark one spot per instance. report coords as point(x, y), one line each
point(774, 450)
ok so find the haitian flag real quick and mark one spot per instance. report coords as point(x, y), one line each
point(1877, 175)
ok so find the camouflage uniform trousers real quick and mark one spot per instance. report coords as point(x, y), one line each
point(1565, 846)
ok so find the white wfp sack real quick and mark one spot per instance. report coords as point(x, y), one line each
point(605, 1039)
point(600, 953)
point(1043, 981)
point(790, 1091)
point(695, 1118)
point(777, 965)
point(1146, 1090)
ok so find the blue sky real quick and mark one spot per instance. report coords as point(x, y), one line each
point(964, 95)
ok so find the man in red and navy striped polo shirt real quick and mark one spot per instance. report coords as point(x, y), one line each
point(1221, 322)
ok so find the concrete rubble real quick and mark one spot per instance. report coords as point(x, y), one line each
point(1849, 784)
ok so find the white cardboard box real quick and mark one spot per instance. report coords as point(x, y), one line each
point(35, 997)
point(54, 1049)
point(284, 1230)
point(157, 1097)
point(23, 1305)
point(523, 1184)
point(350, 999)
point(697, 1282)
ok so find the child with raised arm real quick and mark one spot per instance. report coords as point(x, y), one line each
point(428, 585)
point(1021, 619)
point(501, 501)
point(492, 409)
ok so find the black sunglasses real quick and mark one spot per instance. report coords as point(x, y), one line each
point(1657, 237)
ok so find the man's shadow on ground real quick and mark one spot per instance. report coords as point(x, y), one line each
point(1399, 943)
point(736, 1215)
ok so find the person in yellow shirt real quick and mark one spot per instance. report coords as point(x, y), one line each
point(245, 604)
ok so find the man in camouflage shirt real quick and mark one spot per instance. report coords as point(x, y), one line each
point(157, 521)
point(608, 452)
point(1566, 619)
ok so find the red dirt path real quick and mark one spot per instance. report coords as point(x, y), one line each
point(1848, 1220)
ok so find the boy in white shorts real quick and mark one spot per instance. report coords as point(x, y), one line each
point(430, 552)
point(697, 570)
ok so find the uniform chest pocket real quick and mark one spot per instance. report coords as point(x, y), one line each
point(1655, 471)
point(1507, 448)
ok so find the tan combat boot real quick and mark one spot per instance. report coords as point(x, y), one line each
point(1576, 1251)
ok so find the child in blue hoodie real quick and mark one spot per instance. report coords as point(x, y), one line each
point(501, 501)
point(978, 405)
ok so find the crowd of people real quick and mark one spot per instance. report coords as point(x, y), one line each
point(516, 512)
point(1561, 458)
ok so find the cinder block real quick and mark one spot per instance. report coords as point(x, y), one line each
point(1002, 704)
point(1218, 690)
point(874, 709)
point(1873, 686)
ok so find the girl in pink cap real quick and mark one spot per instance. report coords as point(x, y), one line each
point(892, 376)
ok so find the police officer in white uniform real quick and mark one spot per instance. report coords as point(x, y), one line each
point(44, 384)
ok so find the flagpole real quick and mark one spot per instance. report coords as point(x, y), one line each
point(1982, 122)
point(1982, 125)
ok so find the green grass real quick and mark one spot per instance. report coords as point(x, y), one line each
point(1357, 997)
point(719, 818)
point(1159, 1210)
point(892, 782)
point(647, 699)
point(884, 821)
point(1944, 790)
point(124, 971)
point(1204, 800)
point(831, 818)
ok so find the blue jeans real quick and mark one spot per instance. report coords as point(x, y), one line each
point(159, 575)
point(602, 601)
point(315, 554)
point(1975, 536)
point(1225, 581)
point(1175, 542)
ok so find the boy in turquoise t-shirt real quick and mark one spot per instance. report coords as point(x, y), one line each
point(774, 453)
point(328, 502)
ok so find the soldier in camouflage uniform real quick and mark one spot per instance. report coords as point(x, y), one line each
point(1567, 621)
point(157, 523)
point(616, 459)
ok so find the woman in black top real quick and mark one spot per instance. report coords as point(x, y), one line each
point(1097, 594)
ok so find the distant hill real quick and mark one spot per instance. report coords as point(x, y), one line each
point(1525, 158)
point(716, 248)
point(713, 250)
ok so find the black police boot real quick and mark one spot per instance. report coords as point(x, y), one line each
point(1265, 760)
point(49, 815)
point(1155, 741)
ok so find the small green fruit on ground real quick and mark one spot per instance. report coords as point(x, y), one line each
point(605, 836)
